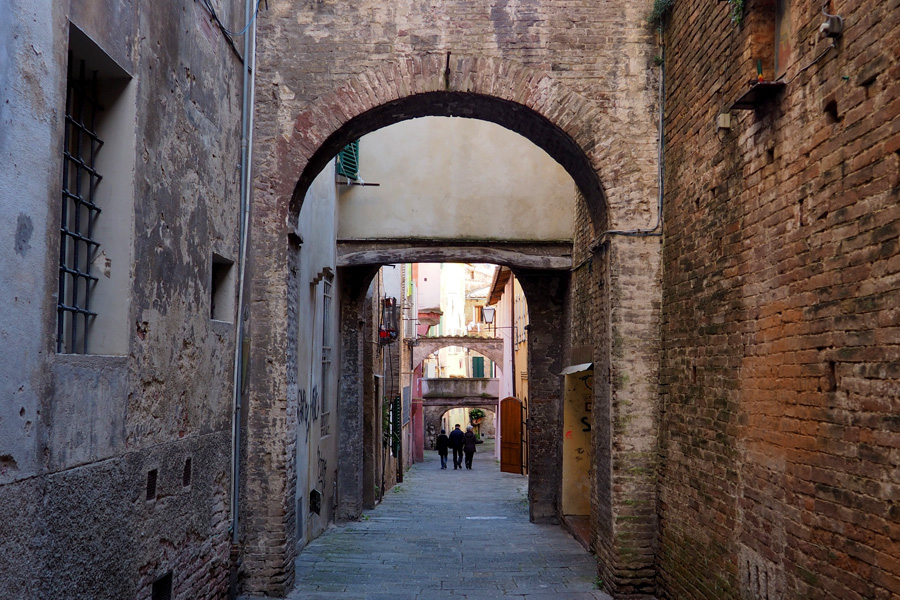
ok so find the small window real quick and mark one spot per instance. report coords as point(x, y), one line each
point(315, 502)
point(348, 161)
point(162, 588)
point(221, 290)
point(477, 366)
point(186, 473)
point(151, 484)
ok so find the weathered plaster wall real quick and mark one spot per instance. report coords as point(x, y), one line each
point(316, 415)
point(79, 434)
point(443, 178)
point(30, 75)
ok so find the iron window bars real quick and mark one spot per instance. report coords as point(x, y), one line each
point(77, 247)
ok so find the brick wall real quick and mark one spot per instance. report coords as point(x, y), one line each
point(780, 377)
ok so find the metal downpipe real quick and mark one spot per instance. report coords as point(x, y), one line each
point(248, 93)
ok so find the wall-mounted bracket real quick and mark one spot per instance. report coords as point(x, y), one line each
point(759, 92)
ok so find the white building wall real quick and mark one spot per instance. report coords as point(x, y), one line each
point(316, 445)
point(452, 178)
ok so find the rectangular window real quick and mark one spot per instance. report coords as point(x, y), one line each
point(96, 210)
point(78, 247)
point(477, 366)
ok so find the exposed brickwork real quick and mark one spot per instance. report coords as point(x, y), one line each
point(547, 308)
point(780, 374)
point(575, 78)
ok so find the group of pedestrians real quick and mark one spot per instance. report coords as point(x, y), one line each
point(461, 443)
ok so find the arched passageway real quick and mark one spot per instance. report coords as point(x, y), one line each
point(569, 128)
point(435, 419)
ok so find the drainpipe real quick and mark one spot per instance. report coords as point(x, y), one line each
point(248, 93)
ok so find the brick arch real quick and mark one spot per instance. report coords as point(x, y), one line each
point(501, 91)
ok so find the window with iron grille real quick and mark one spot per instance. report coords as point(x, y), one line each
point(95, 246)
point(80, 178)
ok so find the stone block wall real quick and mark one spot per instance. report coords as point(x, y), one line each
point(780, 378)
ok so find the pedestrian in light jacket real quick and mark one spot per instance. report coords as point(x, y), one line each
point(469, 441)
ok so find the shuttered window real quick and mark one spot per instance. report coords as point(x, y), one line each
point(348, 161)
point(477, 366)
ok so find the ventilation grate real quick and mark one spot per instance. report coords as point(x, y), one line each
point(151, 484)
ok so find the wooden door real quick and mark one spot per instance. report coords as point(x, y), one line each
point(511, 436)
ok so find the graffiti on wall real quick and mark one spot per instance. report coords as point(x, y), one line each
point(307, 409)
point(323, 469)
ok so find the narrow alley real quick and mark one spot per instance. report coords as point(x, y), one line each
point(448, 534)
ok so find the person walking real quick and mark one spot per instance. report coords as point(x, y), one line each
point(469, 441)
point(443, 442)
point(457, 437)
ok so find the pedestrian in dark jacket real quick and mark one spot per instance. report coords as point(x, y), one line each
point(469, 441)
point(443, 442)
point(457, 437)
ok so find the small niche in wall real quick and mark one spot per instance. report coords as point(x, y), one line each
point(221, 300)
point(186, 472)
point(162, 588)
point(315, 502)
point(151, 484)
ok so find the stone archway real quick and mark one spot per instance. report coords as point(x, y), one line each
point(434, 412)
point(581, 134)
point(489, 347)
point(505, 92)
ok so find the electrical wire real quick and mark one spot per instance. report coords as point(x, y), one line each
point(229, 33)
point(804, 69)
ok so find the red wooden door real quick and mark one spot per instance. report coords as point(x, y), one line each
point(511, 436)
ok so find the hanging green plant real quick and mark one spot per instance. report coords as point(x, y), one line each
point(475, 414)
point(660, 8)
point(737, 11)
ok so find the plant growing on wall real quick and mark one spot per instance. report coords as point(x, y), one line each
point(737, 11)
point(660, 8)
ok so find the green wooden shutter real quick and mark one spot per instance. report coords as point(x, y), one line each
point(348, 161)
point(477, 366)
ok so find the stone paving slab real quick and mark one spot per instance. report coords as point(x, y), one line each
point(448, 534)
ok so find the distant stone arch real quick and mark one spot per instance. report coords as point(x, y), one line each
point(489, 347)
point(434, 413)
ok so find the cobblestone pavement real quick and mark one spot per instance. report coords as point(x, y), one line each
point(448, 534)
